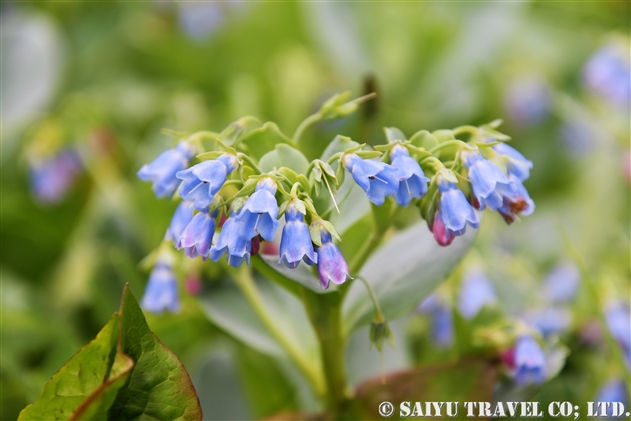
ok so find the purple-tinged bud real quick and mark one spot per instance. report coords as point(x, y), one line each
point(439, 231)
point(197, 237)
point(331, 263)
point(181, 218)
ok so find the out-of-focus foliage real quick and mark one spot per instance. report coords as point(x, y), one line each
point(103, 79)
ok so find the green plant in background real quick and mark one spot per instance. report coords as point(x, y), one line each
point(71, 245)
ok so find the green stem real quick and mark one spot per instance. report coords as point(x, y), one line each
point(250, 162)
point(325, 314)
point(313, 118)
point(243, 279)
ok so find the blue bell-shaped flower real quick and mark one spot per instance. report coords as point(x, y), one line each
point(489, 183)
point(202, 181)
point(376, 178)
point(412, 180)
point(295, 242)
point(331, 263)
point(161, 292)
point(455, 210)
point(162, 171)
point(197, 237)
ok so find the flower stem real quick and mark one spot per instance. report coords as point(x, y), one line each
point(313, 118)
point(325, 313)
point(243, 279)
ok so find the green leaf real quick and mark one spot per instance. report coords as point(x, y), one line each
point(76, 383)
point(424, 139)
point(264, 139)
point(338, 144)
point(403, 272)
point(284, 156)
point(393, 134)
point(159, 387)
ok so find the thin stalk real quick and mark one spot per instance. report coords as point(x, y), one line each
point(243, 279)
point(313, 118)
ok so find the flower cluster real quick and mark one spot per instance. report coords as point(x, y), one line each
point(254, 196)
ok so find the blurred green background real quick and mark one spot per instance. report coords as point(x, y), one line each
point(104, 78)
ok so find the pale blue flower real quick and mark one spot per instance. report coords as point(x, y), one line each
point(516, 163)
point(455, 210)
point(161, 292)
point(412, 180)
point(231, 241)
point(376, 178)
point(202, 182)
point(260, 212)
point(295, 242)
point(489, 183)
point(162, 171)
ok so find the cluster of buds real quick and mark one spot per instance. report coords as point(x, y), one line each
point(447, 174)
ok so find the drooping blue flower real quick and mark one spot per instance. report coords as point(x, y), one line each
point(527, 100)
point(455, 210)
point(231, 241)
point(618, 319)
point(476, 292)
point(549, 320)
point(197, 237)
point(181, 217)
point(412, 180)
point(516, 163)
point(162, 171)
point(489, 183)
point(517, 203)
point(376, 178)
point(530, 361)
point(295, 242)
point(608, 74)
point(204, 180)
point(331, 263)
point(51, 178)
point(161, 292)
point(442, 320)
point(260, 212)
point(613, 391)
point(561, 284)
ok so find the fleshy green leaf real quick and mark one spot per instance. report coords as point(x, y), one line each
point(264, 139)
point(159, 387)
point(424, 139)
point(78, 390)
point(393, 134)
point(284, 156)
point(403, 272)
